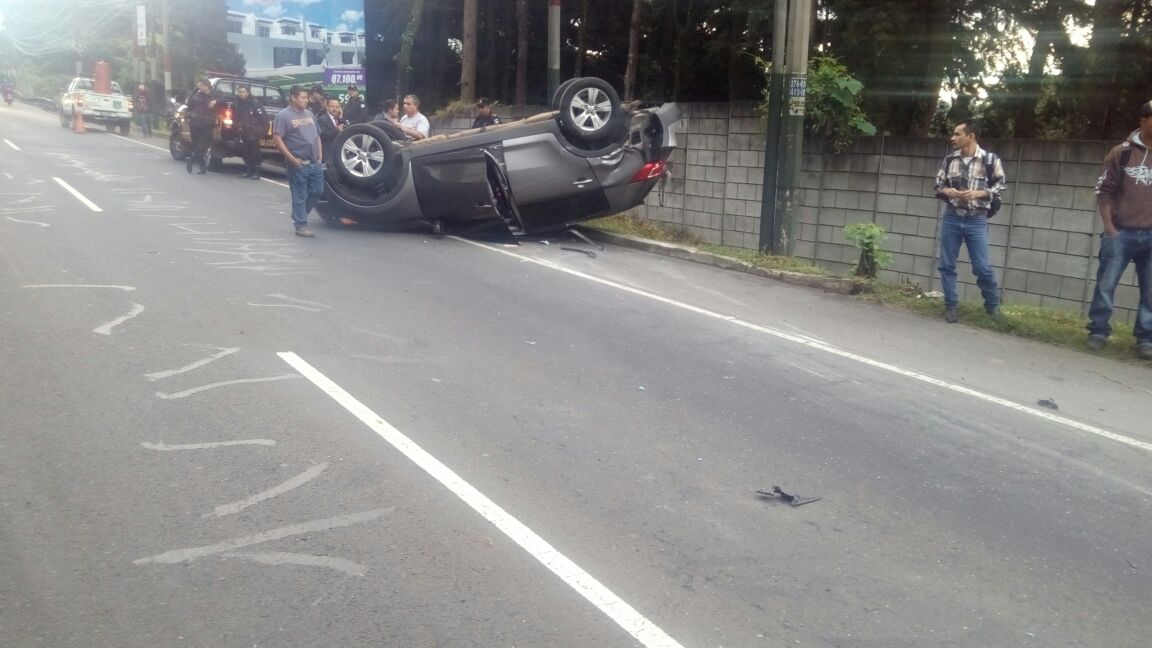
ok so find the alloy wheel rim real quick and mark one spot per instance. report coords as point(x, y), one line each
point(590, 110)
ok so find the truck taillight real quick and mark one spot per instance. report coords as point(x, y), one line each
point(650, 171)
point(227, 117)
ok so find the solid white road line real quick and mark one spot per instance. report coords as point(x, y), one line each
point(129, 139)
point(126, 288)
point(79, 196)
point(14, 147)
point(643, 630)
point(827, 348)
point(164, 447)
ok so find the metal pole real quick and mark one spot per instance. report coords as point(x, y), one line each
point(768, 238)
point(167, 55)
point(553, 46)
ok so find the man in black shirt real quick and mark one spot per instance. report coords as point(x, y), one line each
point(484, 116)
point(354, 110)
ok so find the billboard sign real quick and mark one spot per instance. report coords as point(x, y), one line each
point(292, 42)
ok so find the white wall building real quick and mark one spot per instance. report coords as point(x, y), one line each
point(291, 45)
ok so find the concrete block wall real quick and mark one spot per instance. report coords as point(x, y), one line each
point(1043, 243)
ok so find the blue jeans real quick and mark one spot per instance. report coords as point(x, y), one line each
point(144, 121)
point(973, 232)
point(307, 184)
point(1115, 253)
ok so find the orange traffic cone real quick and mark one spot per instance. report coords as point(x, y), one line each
point(78, 123)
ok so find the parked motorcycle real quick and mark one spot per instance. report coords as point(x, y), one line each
point(9, 96)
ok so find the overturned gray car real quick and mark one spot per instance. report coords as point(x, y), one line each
point(589, 157)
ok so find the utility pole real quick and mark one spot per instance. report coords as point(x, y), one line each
point(785, 138)
point(553, 47)
point(164, 24)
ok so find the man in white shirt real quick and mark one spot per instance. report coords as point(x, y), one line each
point(414, 125)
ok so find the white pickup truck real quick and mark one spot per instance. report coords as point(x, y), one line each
point(114, 110)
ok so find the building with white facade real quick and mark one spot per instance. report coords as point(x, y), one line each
point(292, 45)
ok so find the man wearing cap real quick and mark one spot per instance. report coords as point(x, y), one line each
point(1124, 202)
point(484, 116)
point(354, 110)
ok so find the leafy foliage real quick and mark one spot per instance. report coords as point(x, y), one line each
point(868, 237)
point(833, 108)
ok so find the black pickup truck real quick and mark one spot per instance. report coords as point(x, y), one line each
point(225, 134)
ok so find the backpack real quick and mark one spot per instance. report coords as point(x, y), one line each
point(989, 165)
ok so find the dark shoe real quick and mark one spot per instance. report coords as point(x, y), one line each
point(305, 232)
point(1144, 350)
point(1096, 341)
point(993, 312)
point(255, 175)
point(951, 315)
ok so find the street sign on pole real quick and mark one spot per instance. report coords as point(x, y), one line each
point(141, 26)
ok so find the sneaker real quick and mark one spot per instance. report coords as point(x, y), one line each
point(951, 315)
point(1144, 350)
point(1096, 341)
point(305, 232)
point(993, 312)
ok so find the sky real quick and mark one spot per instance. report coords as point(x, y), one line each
point(338, 15)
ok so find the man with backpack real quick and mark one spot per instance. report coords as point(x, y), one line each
point(970, 182)
point(1124, 201)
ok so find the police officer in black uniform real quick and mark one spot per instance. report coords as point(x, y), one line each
point(355, 111)
point(252, 124)
point(201, 121)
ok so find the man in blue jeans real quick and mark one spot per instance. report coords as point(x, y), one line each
point(295, 133)
point(1124, 201)
point(969, 179)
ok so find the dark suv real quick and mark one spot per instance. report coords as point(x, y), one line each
point(225, 134)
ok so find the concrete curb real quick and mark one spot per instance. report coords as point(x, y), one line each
point(840, 285)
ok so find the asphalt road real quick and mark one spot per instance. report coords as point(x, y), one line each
point(216, 434)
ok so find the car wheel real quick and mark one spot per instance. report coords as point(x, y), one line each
point(65, 120)
point(357, 200)
point(179, 149)
point(363, 155)
point(590, 110)
point(560, 92)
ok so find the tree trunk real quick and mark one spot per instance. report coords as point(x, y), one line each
point(633, 52)
point(581, 39)
point(468, 55)
point(404, 58)
point(521, 52)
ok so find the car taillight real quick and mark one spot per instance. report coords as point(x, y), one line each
point(650, 171)
point(227, 117)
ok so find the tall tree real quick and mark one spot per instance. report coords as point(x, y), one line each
point(404, 58)
point(633, 50)
point(521, 52)
point(468, 54)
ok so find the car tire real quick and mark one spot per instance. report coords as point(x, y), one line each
point(560, 92)
point(360, 201)
point(65, 120)
point(590, 110)
point(363, 155)
point(179, 149)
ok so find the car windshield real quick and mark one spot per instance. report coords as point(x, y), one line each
point(269, 96)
